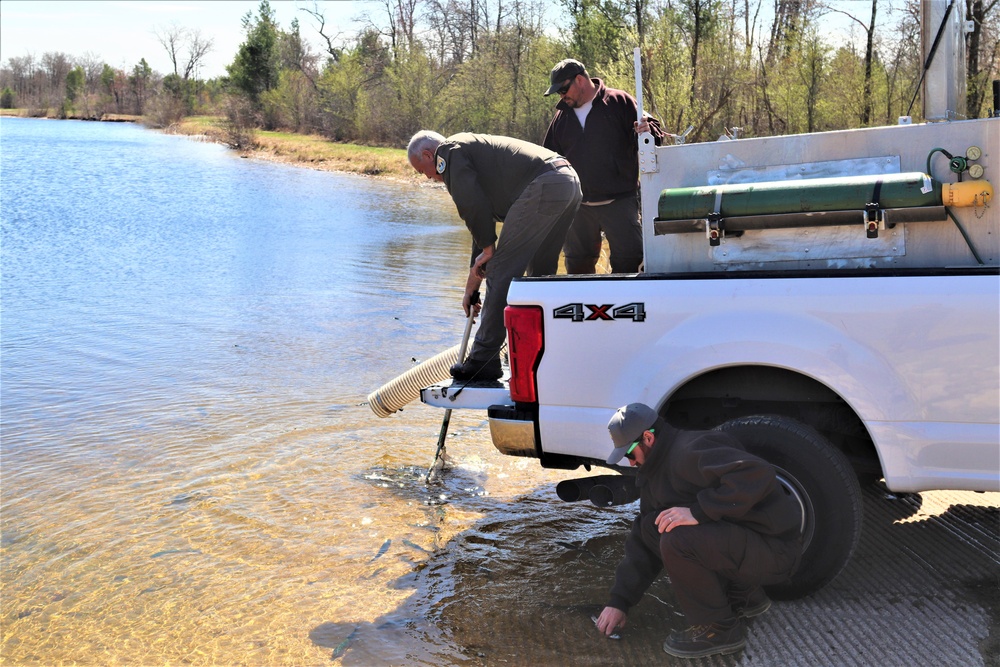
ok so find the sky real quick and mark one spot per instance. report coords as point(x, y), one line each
point(120, 32)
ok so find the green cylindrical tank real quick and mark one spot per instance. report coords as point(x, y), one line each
point(816, 194)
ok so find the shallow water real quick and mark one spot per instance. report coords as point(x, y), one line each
point(189, 474)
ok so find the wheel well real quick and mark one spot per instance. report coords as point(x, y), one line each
point(719, 396)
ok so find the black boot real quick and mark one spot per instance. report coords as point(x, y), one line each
point(748, 600)
point(698, 641)
point(475, 369)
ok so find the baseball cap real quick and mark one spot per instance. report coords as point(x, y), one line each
point(563, 71)
point(627, 426)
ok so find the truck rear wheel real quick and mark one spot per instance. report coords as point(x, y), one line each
point(821, 479)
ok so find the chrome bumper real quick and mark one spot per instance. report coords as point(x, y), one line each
point(511, 436)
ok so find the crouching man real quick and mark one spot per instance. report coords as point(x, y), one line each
point(714, 517)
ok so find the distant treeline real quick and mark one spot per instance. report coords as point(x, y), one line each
point(482, 65)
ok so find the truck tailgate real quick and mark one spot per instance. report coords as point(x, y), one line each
point(458, 395)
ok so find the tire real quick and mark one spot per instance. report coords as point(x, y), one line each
point(820, 477)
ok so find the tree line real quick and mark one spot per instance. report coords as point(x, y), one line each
point(711, 67)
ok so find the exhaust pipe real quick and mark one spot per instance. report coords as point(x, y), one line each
point(601, 490)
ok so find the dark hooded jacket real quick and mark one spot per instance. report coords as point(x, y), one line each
point(712, 474)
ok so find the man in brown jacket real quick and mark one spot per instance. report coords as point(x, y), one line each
point(714, 517)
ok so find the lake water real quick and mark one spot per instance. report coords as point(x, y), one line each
point(188, 472)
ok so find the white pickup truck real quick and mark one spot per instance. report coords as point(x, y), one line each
point(846, 340)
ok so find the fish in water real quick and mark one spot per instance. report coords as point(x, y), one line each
point(381, 550)
point(416, 546)
point(342, 646)
point(611, 636)
point(575, 547)
point(168, 552)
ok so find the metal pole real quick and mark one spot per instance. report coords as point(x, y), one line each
point(447, 412)
point(637, 59)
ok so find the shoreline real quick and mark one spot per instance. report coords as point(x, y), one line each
point(103, 118)
point(310, 151)
point(289, 148)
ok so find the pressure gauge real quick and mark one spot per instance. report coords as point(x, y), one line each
point(974, 153)
point(976, 171)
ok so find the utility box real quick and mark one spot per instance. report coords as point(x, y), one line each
point(809, 235)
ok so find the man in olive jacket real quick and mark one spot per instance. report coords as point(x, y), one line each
point(714, 517)
point(532, 190)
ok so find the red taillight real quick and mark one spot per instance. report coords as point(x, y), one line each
point(525, 343)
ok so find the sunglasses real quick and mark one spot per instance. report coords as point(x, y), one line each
point(563, 89)
point(628, 452)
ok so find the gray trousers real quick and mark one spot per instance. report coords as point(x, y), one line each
point(530, 240)
point(619, 221)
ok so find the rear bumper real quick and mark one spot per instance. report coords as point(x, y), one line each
point(513, 431)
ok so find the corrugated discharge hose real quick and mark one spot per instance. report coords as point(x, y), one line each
point(396, 393)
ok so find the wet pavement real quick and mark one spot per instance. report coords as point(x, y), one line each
point(921, 589)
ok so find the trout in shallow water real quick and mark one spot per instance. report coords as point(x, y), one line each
point(342, 646)
point(381, 551)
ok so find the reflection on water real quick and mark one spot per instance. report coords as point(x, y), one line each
point(188, 474)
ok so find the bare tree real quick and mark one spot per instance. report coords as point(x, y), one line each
point(56, 66)
point(181, 42)
point(170, 38)
point(93, 67)
point(866, 92)
point(335, 52)
point(22, 73)
point(197, 48)
point(402, 15)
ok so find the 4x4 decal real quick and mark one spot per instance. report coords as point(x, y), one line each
point(576, 312)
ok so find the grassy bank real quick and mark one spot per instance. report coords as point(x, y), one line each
point(48, 113)
point(310, 150)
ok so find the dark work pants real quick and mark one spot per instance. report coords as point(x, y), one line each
point(530, 240)
point(704, 560)
point(619, 220)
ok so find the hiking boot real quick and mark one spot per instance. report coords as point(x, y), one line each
point(474, 369)
point(698, 641)
point(748, 600)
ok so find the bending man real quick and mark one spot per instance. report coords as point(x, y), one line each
point(532, 190)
